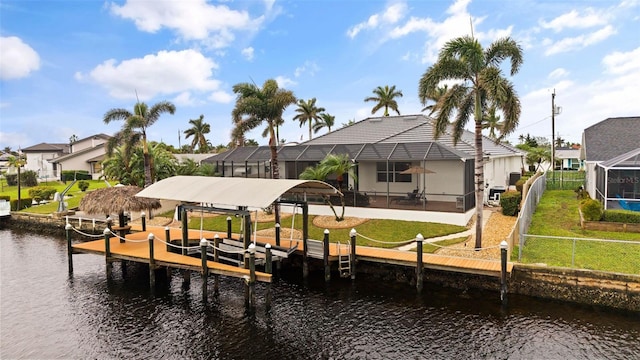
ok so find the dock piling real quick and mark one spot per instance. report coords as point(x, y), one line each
point(279, 263)
point(325, 256)
point(419, 265)
point(167, 237)
point(185, 232)
point(352, 263)
point(204, 244)
point(268, 268)
point(216, 258)
point(68, 229)
point(305, 240)
point(503, 272)
point(229, 227)
point(143, 217)
point(251, 281)
point(107, 250)
point(152, 262)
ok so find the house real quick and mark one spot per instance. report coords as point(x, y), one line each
point(611, 152)
point(569, 158)
point(38, 159)
point(388, 153)
point(85, 155)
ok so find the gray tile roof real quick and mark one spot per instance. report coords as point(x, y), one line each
point(610, 138)
point(48, 147)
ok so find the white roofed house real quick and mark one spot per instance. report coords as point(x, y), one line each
point(86, 155)
point(393, 157)
point(38, 157)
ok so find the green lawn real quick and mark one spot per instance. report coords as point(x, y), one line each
point(557, 215)
point(74, 200)
point(393, 231)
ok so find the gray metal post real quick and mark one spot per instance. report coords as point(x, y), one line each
point(352, 264)
point(503, 272)
point(107, 250)
point(152, 262)
point(143, 217)
point(419, 265)
point(205, 269)
point(325, 255)
point(228, 227)
point(305, 236)
point(68, 229)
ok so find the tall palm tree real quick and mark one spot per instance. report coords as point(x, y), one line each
point(435, 96)
point(308, 113)
point(18, 162)
point(481, 82)
point(385, 97)
point(326, 121)
point(135, 127)
point(255, 106)
point(198, 129)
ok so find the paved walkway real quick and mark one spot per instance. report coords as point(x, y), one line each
point(485, 218)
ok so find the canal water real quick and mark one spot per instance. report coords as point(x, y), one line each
point(47, 314)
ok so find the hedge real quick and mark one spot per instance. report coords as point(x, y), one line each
point(24, 203)
point(622, 216)
point(27, 178)
point(5, 197)
point(70, 175)
point(591, 209)
point(510, 201)
point(40, 193)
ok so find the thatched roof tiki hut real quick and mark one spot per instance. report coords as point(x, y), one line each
point(117, 200)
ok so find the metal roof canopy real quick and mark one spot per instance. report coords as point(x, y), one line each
point(232, 191)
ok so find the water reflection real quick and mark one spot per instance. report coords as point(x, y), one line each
point(47, 314)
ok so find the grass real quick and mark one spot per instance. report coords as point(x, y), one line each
point(52, 206)
point(557, 215)
point(394, 231)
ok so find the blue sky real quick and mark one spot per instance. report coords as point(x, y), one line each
point(63, 64)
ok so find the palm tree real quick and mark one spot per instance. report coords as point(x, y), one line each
point(135, 127)
point(18, 162)
point(435, 96)
point(308, 112)
point(480, 82)
point(492, 122)
point(326, 121)
point(385, 97)
point(198, 129)
point(255, 106)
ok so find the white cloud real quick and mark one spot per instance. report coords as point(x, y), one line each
point(574, 19)
point(221, 97)
point(192, 20)
point(578, 42)
point(17, 59)
point(247, 53)
point(309, 67)
point(620, 63)
point(558, 73)
point(184, 99)
point(285, 82)
point(167, 72)
point(391, 15)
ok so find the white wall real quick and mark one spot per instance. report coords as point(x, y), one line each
point(87, 143)
point(497, 170)
point(39, 163)
point(80, 162)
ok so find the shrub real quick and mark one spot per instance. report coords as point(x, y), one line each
point(510, 201)
point(5, 197)
point(70, 175)
point(83, 185)
point(12, 179)
point(591, 209)
point(29, 178)
point(24, 203)
point(622, 216)
point(520, 183)
point(40, 193)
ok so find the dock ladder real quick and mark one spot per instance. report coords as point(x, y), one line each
point(344, 260)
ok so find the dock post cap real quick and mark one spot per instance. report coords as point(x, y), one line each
point(204, 242)
point(228, 218)
point(504, 245)
point(68, 226)
point(106, 231)
point(142, 214)
point(108, 219)
point(277, 225)
point(252, 248)
point(166, 228)
point(267, 246)
point(353, 232)
point(216, 236)
point(326, 231)
point(151, 236)
point(419, 237)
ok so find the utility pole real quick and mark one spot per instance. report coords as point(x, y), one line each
point(553, 131)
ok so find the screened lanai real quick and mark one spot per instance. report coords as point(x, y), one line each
point(618, 181)
point(447, 179)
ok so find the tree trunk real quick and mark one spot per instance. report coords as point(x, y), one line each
point(479, 171)
point(148, 164)
point(275, 171)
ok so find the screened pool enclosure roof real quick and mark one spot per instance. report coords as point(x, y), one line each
point(626, 160)
point(232, 191)
point(428, 151)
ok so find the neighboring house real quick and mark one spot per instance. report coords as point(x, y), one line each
point(570, 159)
point(39, 156)
point(86, 155)
point(611, 151)
point(197, 158)
point(4, 162)
point(386, 152)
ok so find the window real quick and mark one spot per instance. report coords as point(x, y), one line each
point(395, 169)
